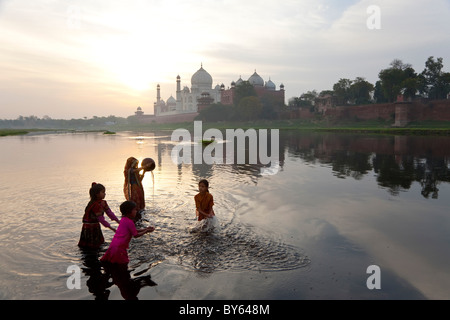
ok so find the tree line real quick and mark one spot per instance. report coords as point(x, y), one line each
point(399, 79)
point(48, 123)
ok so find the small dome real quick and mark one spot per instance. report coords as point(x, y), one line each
point(202, 79)
point(239, 81)
point(139, 109)
point(270, 85)
point(171, 101)
point(256, 80)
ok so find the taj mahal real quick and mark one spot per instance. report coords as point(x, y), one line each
point(202, 93)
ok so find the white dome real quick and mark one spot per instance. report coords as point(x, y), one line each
point(256, 80)
point(201, 79)
point(270, 85)
point(171, 101)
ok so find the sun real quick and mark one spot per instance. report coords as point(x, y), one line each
point(139, 52)
point(131, 61)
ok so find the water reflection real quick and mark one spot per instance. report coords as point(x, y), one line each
point(98, 283)
point(397, 161)
point(266, 222)
point(102, 276)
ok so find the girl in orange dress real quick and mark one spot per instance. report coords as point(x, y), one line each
point(204, 201)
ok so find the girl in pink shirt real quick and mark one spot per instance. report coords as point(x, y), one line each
point(117, 251)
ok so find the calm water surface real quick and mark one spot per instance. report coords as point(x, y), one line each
point(338, 204)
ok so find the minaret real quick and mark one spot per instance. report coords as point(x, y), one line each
point(178, 99)
point(178, 89)
point(158, 94)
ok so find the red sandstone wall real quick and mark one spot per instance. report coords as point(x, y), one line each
point(385, 111)
point(438, 110)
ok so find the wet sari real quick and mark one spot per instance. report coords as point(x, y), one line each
point(132, 188)
point(205, 203)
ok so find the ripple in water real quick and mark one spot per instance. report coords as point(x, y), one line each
point(227, 247)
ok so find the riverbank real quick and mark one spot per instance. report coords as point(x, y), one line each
point(18, 132)
point(369, 127)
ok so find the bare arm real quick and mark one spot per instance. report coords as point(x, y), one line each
point(203, 213)
point(141, 232)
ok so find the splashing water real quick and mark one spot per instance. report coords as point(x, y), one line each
point(211, 245)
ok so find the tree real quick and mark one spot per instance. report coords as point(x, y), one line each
point(326, 92)
point(410, 87)
point(392, 80)
point(244, 89)
point(342, 91)
point(249, 108)
point(215, 112)
point(378, 94)
point(305, 100)
point(270, 107)
point(360, 91)
point(435, 83)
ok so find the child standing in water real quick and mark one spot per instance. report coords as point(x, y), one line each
point(115, 259)
point(91, 234)
point(117, 251)
point(204, 201)
point(132, 188)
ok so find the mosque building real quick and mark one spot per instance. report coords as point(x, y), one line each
point(202, 94)
point(261, 88)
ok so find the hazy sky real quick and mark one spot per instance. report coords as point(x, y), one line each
point(74, 59)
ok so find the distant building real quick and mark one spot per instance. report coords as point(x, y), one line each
point(187, 100)
point(201, 94)
point(261, 88)
point(139, 112)
point(141, 117)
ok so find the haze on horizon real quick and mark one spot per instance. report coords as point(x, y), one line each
point(75, 59)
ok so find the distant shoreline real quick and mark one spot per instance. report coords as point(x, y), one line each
point(363, 127)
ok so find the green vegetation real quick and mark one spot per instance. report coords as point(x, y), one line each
point(12, 132)
point(371, 126)
point(398, 79)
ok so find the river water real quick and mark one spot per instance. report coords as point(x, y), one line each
point(335, 205)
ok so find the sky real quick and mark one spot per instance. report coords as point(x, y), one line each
point(74, 59)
